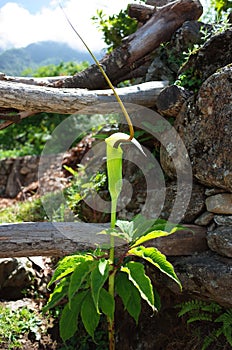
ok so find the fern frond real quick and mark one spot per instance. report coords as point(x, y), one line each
point(200, 316)
point(190, 306)
point(209, 339)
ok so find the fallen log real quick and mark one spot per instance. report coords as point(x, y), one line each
point(24, 97)
point(129, 56)
point(63, 238)
point(141, 12)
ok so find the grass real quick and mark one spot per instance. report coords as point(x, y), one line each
point(24, 212)
point(16, 324)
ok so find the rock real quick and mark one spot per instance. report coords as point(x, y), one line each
point(15, 275)
point(195, 206)
point(214, 54)
point(204, 219)
point(168, 58)
point(220, 203)
point(220, 240)
point(223, 220)
point(212, 191)
point(205, 276)
point(205, 126)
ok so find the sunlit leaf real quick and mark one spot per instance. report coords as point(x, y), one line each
point(126, 227)
point(141, 225)
point(156, 258)
point(113, 232)
point(89, 315)
point(67, 265)
point(149, 236)
point(141, 281)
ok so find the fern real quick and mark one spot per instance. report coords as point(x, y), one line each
point(202, 311)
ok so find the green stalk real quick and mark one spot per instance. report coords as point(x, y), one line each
point(114, 170)
point(130, 125)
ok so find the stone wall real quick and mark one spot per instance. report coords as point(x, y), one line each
point(16, 173)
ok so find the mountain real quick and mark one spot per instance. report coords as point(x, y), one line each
point(14, 61)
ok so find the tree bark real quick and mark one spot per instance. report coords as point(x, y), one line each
point(129, 56)
point(60, 238)
point(24, 97)
point(141, 12)
point(171, 99)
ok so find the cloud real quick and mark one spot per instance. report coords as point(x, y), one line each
point(19, 27)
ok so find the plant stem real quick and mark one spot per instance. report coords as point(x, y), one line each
point(126, 115)
point(112, 272)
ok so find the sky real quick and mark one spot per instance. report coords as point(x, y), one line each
point(23, 22)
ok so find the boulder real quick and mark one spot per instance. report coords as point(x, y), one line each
point(15, 276)
point(220, 203)
point(220, 240)
point(214, 54)
point(206, 276)
point(205, 126)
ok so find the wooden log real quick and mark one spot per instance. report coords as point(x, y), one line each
point(171, 99)
point(26, 97)
point(63, 238)
point(128, 57)
point(141, 12)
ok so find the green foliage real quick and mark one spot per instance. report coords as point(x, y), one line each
point(52, 70)
point(115, 27)
point(15, 323)
point(218, 317)
point(25, 211)
point(221, 6)
point(84, 185)
point(189, 80)
point(81, 278)
point(30, 135)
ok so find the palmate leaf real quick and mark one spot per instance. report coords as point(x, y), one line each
point(149, 236)
point(67, 265)
point(107, 303)
point(156, 258)
point(129, 294)
point(60, 291)
point(141, 281)
point(89, 315)
point(79, 276)
point(69, 316)
point(98, 277)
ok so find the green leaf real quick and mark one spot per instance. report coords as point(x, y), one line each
point(141, 281)
point(129, 294)
point(141, 225)
point(156, 258)
point(126, 227)
point(98, 277)
point(67, 265)
point(149, 236)
point(79, 276)
point(60, 291)
point(113, 232)
point(69, 316)
point(107, 303)
point(89, 315)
